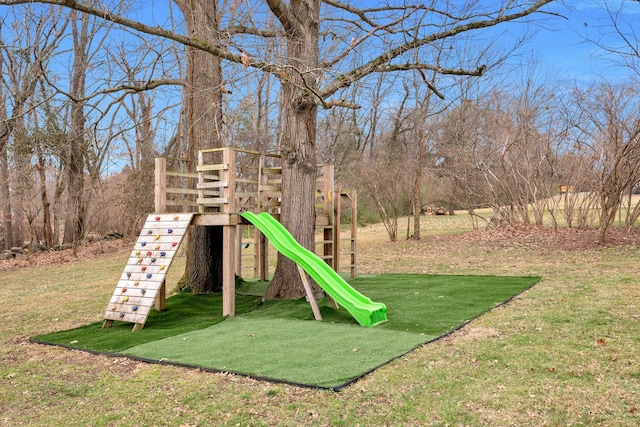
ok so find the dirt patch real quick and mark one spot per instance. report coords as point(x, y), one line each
point(86, 251)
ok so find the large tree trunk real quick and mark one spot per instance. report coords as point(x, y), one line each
point(417, 181)
point(5, 198)
point(298, 137)
point(203, 98)
point(74, 224)
point(47, 230)
point(5, 194)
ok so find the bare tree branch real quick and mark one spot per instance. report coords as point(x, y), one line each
point(382, 61)
point(156, 31)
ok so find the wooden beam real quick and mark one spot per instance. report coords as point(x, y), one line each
point(228, 270)
point(309, 291)
point(160, 190)
point(161, 297)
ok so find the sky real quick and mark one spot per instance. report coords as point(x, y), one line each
point(559, 42)
point(562, 45)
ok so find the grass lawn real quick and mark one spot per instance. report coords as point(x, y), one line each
point(563, 353)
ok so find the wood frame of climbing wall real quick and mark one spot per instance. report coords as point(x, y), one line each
point(142, 284)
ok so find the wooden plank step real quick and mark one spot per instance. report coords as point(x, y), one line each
point(208, 168)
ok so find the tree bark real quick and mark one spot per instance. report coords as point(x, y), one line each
point(74, 224)
point(203, 99)
point(47, 230)
point(298, 137)
point(5, 197)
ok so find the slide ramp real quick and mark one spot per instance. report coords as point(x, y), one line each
point(144, 275)
point(366, 312)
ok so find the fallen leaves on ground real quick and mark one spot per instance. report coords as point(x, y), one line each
point(85, 251)
point(533, 236)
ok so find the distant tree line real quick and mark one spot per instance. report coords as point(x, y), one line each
point(85, 107)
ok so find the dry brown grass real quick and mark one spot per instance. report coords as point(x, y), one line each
point(563, 353)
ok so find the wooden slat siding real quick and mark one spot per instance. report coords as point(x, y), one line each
point(135, 288)
point(188, 191)
point(273, 188)
point(211, 201)
point(214, 167)
point(181, 203)
point(194, 175)
point(212, 184)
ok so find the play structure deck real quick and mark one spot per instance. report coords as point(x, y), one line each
point(223, 189)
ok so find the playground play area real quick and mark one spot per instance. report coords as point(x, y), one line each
point(326, 341)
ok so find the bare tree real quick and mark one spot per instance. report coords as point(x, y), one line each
point(608, 123)
point(375, 40)
point(22, 62)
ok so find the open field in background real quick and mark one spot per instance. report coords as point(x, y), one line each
point(563, 353)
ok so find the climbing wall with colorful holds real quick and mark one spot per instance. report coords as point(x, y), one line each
point(145, 272)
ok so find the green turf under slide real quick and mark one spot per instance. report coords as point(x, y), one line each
point(365, 311)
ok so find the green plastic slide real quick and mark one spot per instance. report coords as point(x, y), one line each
point(366, 312)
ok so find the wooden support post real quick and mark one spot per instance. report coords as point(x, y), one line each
point(161, 297)
point(330, 231)
point(228, 270)
point(336, 235)
point(310, 296)
point(239, 250)
point(263, 255)
point(229, 235)
point(262, 249)
point(160, 189)
point(354, 231)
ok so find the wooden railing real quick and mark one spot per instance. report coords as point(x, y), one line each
point(226, 181)
point(231, 180)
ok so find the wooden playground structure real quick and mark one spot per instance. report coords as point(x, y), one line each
point(213, 193)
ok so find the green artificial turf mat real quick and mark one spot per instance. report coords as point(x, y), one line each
point(184, 313)
point(296, 351)
point(279, 340)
